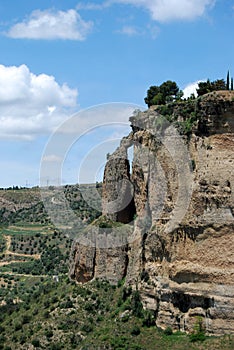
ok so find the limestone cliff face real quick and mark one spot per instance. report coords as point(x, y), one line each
point(179, 201)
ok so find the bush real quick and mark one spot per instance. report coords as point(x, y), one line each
point(87, 328)
point(36, 343)
point(105, 225)
point(135, 330)
point(198, 333)
point(55, 346)
point(48, 333)
point(168, 331)
point(17, 326)
point(137, 308)
point(26, 319)
point(145, 276)
point(149, 319)
point(194, 337)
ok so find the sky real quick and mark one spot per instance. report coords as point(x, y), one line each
point(95, 61)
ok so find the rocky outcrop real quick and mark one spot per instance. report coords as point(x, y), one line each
point(179, 201)
point(100, 252)
point(118, 202)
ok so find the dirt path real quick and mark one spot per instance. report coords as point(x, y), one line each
point(23, 274)
point(3, 263)
point(40, 230)
point(8, 242)
point(23, 228)
point(9, 252)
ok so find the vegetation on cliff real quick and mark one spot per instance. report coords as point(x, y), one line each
point(165, 93)
point(169, 91)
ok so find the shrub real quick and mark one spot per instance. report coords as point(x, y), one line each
point(17, 326)
point(36, 343)
point(48, 333)
point(168, 331)
point(55, 346)
point(87, 328)
point(197, 337)
point(26, 319)
point(149, 319)
point(135, 330)
point(198, 333)
point(145, 276)
point(105, 225)
point(22, 339)
point(137, 308)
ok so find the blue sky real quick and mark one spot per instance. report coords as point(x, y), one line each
point(59, 57)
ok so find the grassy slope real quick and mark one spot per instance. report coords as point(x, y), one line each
point(38, 313)
point(65, 315)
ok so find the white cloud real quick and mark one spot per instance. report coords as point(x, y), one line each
point(32, 104)
point(51, 158)
point(129, 31)
point(191, 88)
point(52, 25)
point(92, 5)
point(170, 10)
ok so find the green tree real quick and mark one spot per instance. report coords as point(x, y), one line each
point(165, 93)
point(151, 93)
point(204, 87)
point(198, 333)
point(218, 84)
point(228, 81)
point(136, 305)
point(207, 86)
point(158, 99)
point(169, 89)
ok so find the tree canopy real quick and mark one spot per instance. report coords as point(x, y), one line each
point(208, 86)
point(160, 95)
point(169, 91)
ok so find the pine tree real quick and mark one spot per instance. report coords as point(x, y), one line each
point(228, 81)
point(232, 84)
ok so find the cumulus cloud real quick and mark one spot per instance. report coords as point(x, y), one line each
point(50, 25)
point(170, 10)
point(191, 88)
point(32, 104)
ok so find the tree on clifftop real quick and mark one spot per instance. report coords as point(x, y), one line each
point(208, 86)
point(228, 80)
point(160, 95)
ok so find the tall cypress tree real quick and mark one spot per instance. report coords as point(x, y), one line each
point(232, 84)
point(228, 81)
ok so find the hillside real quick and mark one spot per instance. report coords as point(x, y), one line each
point(41, 308)
point(155, 270)
point(178, 204)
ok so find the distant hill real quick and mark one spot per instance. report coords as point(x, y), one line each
point(26, 205)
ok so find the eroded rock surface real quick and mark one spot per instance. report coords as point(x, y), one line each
point(181, 197)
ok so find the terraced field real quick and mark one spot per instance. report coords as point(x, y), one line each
point(33, 250)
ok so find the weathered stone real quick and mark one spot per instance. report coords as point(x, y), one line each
point(181, 253)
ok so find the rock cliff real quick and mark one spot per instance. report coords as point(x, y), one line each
point(176, 211)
